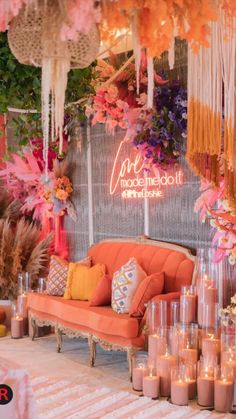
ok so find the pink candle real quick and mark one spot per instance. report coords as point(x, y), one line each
point(17, 330)
point(205, 391)
point(156, 346)
point(188, 308)
point(210, 346)
point(188, 356)
point(164, 365)
point(210, 295)
point(179, 392)
point(151, 386)
point(192, 388)
point(223, 399)
point(137, 377)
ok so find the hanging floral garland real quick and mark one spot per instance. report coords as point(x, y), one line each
point(158, 133)
point(161, 138)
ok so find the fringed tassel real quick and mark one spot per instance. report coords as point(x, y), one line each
point(171, 53)
point(137, 49)
point(150, 90)
point(45, 99)
point(54, 82)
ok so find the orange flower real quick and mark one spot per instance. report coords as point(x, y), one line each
point(61, 194)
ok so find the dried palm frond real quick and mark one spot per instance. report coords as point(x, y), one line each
point(61, 167)
point(8, 208)
point(26, 238)
point(13, 211)
point(39, 259)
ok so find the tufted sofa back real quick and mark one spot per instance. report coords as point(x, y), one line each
point(175, 261)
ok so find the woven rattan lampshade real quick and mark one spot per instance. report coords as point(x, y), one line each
point(35, 34)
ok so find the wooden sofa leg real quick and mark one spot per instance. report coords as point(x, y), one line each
point(59, 339)
point(92, 349)
point(130, 353)
point(33, 324)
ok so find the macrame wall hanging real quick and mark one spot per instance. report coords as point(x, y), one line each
point(35, 39)
point(211, 141)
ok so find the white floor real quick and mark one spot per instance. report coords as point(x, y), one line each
point(40, 358)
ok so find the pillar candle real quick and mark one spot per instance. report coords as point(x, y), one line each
point(156, 346)
point(223, 398)
point(17, 329)
point(164, 365)
point(137, 377)
point(192, 388)
point(179, 392)
point(188, 308)
point(188, 355)
point(205, 391)
point(210, 346)
point(210, 295)
point(151, 386)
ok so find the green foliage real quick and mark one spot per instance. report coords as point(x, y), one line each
point(20, 87)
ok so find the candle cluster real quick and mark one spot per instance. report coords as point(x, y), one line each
point(186, 359)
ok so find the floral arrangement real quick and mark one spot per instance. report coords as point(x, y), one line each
point(230, 310)
point(161, 137)
point(156, 22)
point(212, 205)
point(63, 188)
point(43, 198)
point(158, 133)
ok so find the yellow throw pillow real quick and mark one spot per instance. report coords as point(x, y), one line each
point(82, 281)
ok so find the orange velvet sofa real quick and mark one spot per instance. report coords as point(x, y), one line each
point(101, 325)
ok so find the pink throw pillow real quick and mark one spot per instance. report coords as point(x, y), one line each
point(102, 293)
point(151, 286)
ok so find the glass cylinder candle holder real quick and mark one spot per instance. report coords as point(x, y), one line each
point(210, 316)
point(139, 370)
point(157, 343)
point(205, 382)
point(190, 371)
point(179, 386)
point(156, 315)
point(188, 343)
point(41, 285)
point(211, 344)
point(17, 327)
point(27, 282)
point(188, 304)
point(151, 382)
point(223, 389)
point(24, 283)
point(174, 312)
point(164, 364)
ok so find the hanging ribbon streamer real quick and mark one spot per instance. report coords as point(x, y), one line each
point(136, 48)
point(150, 71)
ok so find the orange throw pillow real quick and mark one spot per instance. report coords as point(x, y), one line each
point(151, 286)
point(102, 293)
point(82, 281)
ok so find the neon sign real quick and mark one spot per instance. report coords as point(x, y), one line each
point(129, 176)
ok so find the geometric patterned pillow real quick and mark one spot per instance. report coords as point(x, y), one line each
point(125, 282)
point(57, 277)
